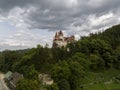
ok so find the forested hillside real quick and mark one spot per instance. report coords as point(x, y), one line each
point(73, 67)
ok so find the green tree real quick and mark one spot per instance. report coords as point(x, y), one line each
point(26, 84)
point(29, 72)
point(54, 86)
point(81, 58)
point(77, 75)
point(97, 63)
point(61, 71)
point(64, 84)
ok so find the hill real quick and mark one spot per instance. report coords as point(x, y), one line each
point(91, 63)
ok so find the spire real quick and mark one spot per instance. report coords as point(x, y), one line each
point(60, 33)
point(56, 35)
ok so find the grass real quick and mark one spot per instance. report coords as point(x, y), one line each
point(96, 81)
point(102, 87)
point(95, 87)
point(113, 86)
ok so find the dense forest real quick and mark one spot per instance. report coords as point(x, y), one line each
point(71, 67)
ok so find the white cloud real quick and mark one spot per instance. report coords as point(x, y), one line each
point(71, 3)
point(22, 36)
point(95, 3)
point(94, 20)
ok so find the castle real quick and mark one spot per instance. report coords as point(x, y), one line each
point(61, 41)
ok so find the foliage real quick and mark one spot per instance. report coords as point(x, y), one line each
point(29, 72)
point(61, 71)
point(26, 84)
point(52, 87)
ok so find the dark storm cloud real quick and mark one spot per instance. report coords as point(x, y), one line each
point(7, 5)
point(63, 14)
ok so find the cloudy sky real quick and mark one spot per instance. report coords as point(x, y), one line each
point(26, 23)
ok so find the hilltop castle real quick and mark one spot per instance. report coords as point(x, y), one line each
point(59, 39)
